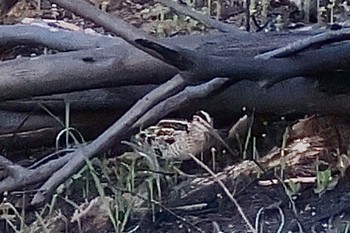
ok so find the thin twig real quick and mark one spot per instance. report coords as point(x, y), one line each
point(189, 94)
point(303, 44)
point(227, 192)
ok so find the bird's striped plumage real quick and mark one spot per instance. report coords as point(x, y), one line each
point(178, 138)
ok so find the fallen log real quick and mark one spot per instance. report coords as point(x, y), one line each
point(295, 96)
point(100, 61)
point(240, 61)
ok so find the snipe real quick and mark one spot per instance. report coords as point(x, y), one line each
point(177, 138)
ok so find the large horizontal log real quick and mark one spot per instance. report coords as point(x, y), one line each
point(100, 61)
point(298, 96)
point(295, 96)
point(25, 130)
point(312, 57)
point(118, 65)
point(53, 38)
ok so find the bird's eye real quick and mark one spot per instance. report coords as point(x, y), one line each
point(203, 116)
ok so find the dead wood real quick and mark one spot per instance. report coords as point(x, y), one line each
point(68, 71)
point(18, 176)
point(295, 96)
point(309, 139)
point(53, 38)
point(180, 99)
point(200, 66)
point(77, 70)
point(194, 65)
point(106, 139)
point(92, 67)
point(27, 130)
point(112, 23)
point(316, 41)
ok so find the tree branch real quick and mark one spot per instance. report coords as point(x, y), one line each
point(106, 139)
point(301, 45)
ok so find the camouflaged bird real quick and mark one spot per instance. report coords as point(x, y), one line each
point(176, 139)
